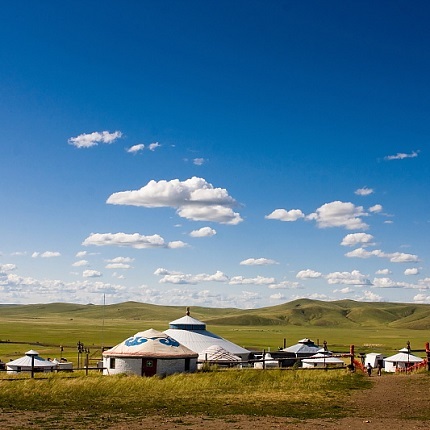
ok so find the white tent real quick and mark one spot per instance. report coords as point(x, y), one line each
point(216, 354)
point(24, 364)
point(193, 334)
point(149, 353)
point(303, 348)
point(322, 360)
point(266, 362)
point(401, 361)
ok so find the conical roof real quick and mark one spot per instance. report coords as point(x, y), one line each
point(303, 346)
point(150, 343)
point(403, 357)
point(26, 361)
point(187, 323)
point(218, 353)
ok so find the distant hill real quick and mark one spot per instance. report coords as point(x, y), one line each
point(302, 312)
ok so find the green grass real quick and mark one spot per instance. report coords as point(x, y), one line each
point(297, 394)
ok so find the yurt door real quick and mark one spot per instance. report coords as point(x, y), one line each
point(149, 366)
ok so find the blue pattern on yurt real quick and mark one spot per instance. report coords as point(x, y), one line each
point(139, 340)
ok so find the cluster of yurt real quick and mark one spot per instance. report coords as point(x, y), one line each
point(322, 360)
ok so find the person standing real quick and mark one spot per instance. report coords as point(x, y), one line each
point(369, 369)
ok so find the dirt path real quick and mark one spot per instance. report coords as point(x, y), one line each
point(394, 402)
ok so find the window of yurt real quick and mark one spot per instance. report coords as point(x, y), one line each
point(112, 363)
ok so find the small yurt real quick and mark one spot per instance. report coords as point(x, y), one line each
point(322, 360)
point(216, 354)
point(193, 334)
point(266, 362)
point(374, 359)
point(31, 360)
point(149, 353)
point(401, 361)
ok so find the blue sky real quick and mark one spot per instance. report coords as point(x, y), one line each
point(225, 154)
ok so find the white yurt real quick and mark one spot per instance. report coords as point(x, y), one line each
point(149, 353)
point(401, 361)
point(322, 360)
point(216, 354)
point(303, 348)
point(193, 334)
point(30, 359)
point(266, 362)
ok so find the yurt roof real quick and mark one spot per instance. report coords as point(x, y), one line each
point(403, 357)
point(150, 343)
point(303, 346)
point(187, 323)
point(200, 340)
point(317, 358)
point(217, 353)
point(26, 361)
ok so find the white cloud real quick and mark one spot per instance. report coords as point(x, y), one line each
point(259, 280)
point(91, 274)
point(421, 298)
point(153, 146)
point(133, 240)
point(354, 239)
point(93, 139)
point(388, 222)
point(389, 283)
point(375, 209)
point(80, 263)
point(308, 274)
point(277, 296)
point(284, 215)
point(136, 148)
point(347, 278)
point(81, 254)
point(116, 266)
point(199, 161)
point(395, 257)
point(383, 272)
point(18, 253)
point(193, 199)
point(172, 277)
point(176, 244)
point(364, 191)
point(46, 254)
point(401, 156)
point(346, 290)
point(120, 260)
point(203, 232)
point(339, 214)
point(258, 262)
point(7, 267)
point(369, 296)
point(284, 285)
point(412, 271)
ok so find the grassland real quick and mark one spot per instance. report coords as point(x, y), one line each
point(381, 327)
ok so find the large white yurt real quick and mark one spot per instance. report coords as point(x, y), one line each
point(30, 360)
point(193, 334)
point(149, 353)
point(401, 361)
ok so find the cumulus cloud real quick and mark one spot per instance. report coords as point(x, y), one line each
point(401, 156)
point(369, 296)
point(93, 139)
point(364, 191)
point(394, 257)
point(347, 278)
point(136, 148)
point(120, 260)
point(346, 290)
point(116, 266)
point(284, 215)
point(153, 146)
point(175, 244)
point(7, 267)
point(81, 254)
point(203, 232)
point(258, 262)
point(412, 271)
point(199, 161)
point(194, 199)
point(354, 239)
point(173, 277)
point(308, 274)
point(134, 240)
point(91, 274)
point(340, 214)
point(277, 296)
point(46, 254)
point(383, 272)
point(389, 283)
point(258, 280)
point(284, 285)
point(375, 209)
point(421, 298)
point(80, 263)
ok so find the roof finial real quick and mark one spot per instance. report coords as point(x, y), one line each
point(188, 312)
